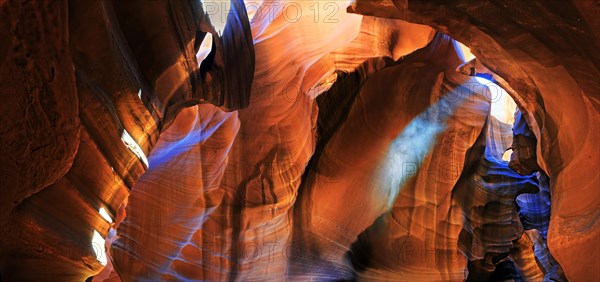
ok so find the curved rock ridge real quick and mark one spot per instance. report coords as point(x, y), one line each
point(487, 197)
point(249, 229)
point(534, 209)
point(165, 54)
point(499, 205)
point(375, 161)
point(545, 51)
point(40, 137)
point(94, 116)
point(198, 140)
point(177, 193)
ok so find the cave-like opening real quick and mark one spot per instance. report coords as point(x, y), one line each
point(514, 146)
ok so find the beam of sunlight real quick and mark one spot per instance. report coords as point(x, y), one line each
point(415, 142)
point(99, 248)
point(134, 147)
point(408, 151)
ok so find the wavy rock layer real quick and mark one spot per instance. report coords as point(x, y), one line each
point(545, 52)
point(89, 107)
point(351, 183)
point(299, 144)
point(248, 230)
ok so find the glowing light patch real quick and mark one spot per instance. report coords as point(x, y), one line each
point(503, 106)
point(99, 248)
point(134, 147)
point(105, 214)
point(482, 80)
point(507, 154)
point(205, 48)
point(217, 11)
point(252, 7)
point(463, 51)
point(140, 93)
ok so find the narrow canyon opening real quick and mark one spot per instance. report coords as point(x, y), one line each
point(346, 140)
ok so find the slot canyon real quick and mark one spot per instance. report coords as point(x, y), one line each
point(278, 140)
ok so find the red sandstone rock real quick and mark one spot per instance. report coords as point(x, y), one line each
point(304, 143)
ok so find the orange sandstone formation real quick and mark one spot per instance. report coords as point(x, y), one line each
point(278, 140)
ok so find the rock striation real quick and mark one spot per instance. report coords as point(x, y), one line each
point(277, 140)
